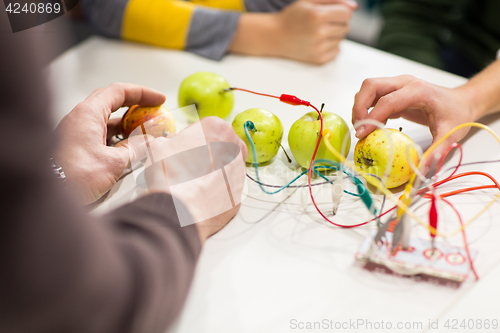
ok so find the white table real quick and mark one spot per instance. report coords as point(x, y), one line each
point(278, 260)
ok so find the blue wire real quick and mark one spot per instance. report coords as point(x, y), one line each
point(250, 125)
point(362, 190)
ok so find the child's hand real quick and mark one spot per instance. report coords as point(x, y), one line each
point(311, 31)
point(306, 30)
point(442, 109)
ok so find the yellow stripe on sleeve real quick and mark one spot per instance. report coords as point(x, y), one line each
point(222, 4)
point(162, 23)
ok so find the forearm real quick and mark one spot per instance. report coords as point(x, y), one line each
point(257, 35)
point(484, 91)
point(60, 267)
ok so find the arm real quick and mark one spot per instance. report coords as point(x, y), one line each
point(167, 23)
point(305, 31)
point(484, 91)
point(440, 108)
point(63, 271)
point(308, 30)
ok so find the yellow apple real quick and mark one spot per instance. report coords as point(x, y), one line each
point(157, 120)
point(372, 155)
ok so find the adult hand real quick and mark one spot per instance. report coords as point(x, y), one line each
point(441, 109)
point(91, 167)
point(207, 179)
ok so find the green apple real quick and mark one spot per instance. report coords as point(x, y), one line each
point(266, 135)
point(206, 91)
point(305, 132)
point(372, 154)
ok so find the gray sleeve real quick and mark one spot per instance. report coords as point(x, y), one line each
point(266, 5)
point(62, 270)
point(105, 16)
point(211, 32)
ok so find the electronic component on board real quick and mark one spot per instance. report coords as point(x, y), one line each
point(445, 265)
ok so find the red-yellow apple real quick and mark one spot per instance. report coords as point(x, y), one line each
point(157, 120)
point(372, 154)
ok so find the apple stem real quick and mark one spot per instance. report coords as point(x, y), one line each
point(287, 157)
point(321, 110)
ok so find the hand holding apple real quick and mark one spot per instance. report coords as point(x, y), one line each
point(266, 135)
point(208, 92)
point(371, 155)
point(304, 135)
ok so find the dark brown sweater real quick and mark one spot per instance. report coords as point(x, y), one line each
point(60, 269)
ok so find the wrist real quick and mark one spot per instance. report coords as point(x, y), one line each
point(257, 34)
point(203, 233)
point(474, 102)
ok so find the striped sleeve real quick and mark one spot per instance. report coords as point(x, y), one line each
point(211, 32)
point(204, 27)
point(105, 17)
point(266, 5)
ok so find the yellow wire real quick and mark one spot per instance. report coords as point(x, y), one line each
point(429, 151)
point(404, 205)
point(377, 184)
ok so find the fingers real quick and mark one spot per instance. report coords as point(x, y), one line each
point(213, 225)
point(335, 13)
point(117, 95)
point(372, 90)
point(327, 55)
point(414, 115)
point(217, 130)
point(353, 5)
point(135, 148)
point(334, 31)
point(396, 101)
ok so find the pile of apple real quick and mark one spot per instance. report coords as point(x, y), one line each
point(211, 95)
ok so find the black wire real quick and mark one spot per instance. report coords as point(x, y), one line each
point(470, 163)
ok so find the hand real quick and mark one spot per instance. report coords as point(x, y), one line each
point(311, 30)
point(441, 109)
point(306, 30)
point(184, 166)
point(91, 167)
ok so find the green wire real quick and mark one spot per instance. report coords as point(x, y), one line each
point(250, 126)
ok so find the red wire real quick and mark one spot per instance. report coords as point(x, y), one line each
point(469, 173)
point(466, 245)
point(423, 191)
point(254, 92)
point(450, 148)
point(309, 174)
point(426, 195)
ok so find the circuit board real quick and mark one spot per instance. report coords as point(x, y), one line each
point(445, 265)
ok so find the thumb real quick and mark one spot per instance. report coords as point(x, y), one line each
point(133, 149)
